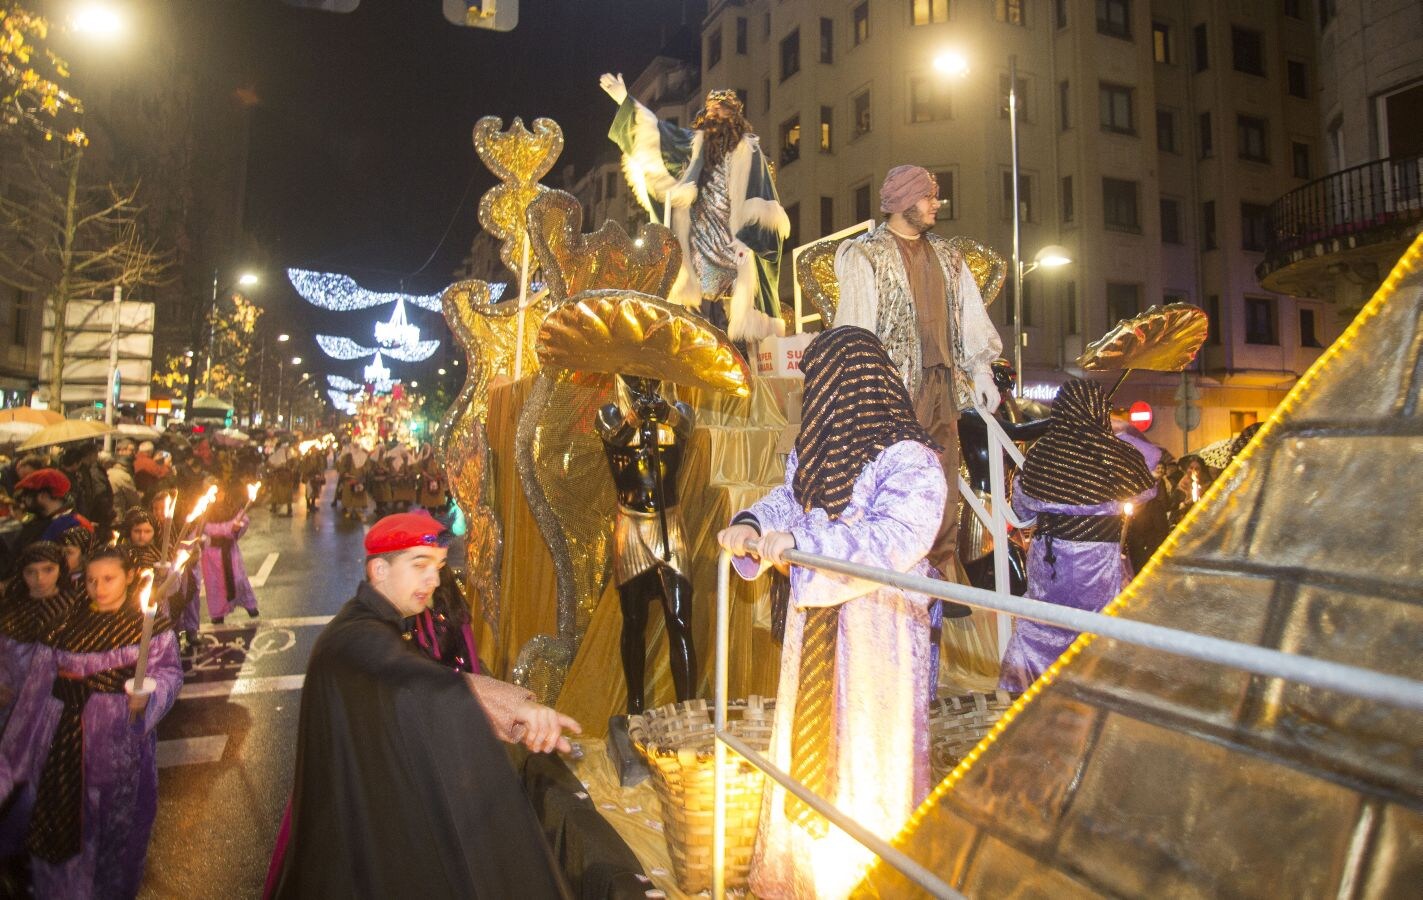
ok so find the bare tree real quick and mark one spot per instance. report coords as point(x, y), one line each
point(63, 240)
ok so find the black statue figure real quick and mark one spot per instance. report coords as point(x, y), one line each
point(645, 446)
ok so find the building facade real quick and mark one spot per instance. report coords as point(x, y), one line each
point(1153, 137)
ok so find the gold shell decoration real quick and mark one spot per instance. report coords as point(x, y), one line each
point(519, 158)
point(573, 262)
point(615, 331)
point(1162, 339)
point(815, 271)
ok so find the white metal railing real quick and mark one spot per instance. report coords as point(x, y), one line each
point(1352, 680)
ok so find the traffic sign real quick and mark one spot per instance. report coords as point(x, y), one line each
point(1188, 417)
point(1140, 415)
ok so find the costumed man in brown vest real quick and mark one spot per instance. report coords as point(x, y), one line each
point(911, 288)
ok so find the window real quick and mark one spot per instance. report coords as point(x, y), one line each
point(743, 96)
point(860, 22)
point(827, 215)
point(1166, 131)
point(766, 25)
point(1207, 141)
point(1071, 322)
point(862, 203)
point(1114, 101)
point(1114, 18)
point(1213, 320)
point(1123, 301)
point(790, 54)
point(827, 40)
point(1202, 54)
point(1254, 226)
point(1308, 336)
point(1161, 42)
point(1208, 241)
point(1025, 196)
point(1251, 134)
point(741, 36)
point(1260, 321)
point(1247, 51)
point(1020, 95)
point(1170, 221)
point(1119, 205)
point(20, 326)
point(860, 109)
point(1067, 200)
point(1064, 106)
point(1293, 9)
point(793, 213)
point(1241, 419)
point(1010, 11)
point(1299, 156)
point(928, 12)
point(714, 47)
point(827, 129)
point(790, 140)
point(610, 185)
point(1061, 17)
point(1328, 9)
point(1297, 77)
point(928, 99)
point(766, 93)
point(946, 194)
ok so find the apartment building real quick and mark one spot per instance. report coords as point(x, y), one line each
point(1153, 137)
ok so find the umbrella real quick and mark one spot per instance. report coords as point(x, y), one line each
point(1162, 339)
point(65, 432)
point(231, 437)
point(17, 431)
point(138, 430)
point(28, 415)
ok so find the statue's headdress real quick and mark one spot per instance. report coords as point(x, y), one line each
point(728, 97)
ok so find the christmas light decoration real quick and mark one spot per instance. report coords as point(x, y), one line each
point(398, 332)
point(342, 383)
point(330, 290)
point(377, 373)
point(342, 348)
point(416, 353)
point(342, 402)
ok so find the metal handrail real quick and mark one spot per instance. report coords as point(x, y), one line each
point(1381, 193)
point(1352, 680)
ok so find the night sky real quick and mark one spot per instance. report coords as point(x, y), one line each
point(360, 145)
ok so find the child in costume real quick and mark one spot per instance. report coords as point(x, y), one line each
point(224, 575)
point(34, 602)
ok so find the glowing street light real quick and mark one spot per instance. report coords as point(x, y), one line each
point(248, 279)
point(283, 338)
point(296, 360)
point(1050, 257)
point(98, 20)
point(951, 62)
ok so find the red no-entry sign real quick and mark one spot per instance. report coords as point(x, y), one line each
point(1140, 415)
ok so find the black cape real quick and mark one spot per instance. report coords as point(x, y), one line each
point(402, 789)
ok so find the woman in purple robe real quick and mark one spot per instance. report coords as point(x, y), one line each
point(224, 575)
point(852, 712)
point(78, 761)
point(34, 602)
point(1075, 480)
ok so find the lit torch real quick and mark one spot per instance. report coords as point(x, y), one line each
point(199, 509)
point(1127, 509)
point(149, 607)
point(170, 505)
point(252, 490)
point(1195, 487)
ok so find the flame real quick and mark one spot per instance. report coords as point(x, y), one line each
point(202, 505)
point(252, 490)
point(145, 592)
point(169, 502)
point(1127, 508)
point(181, 560)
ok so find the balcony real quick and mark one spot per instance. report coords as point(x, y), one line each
point(1350, 226)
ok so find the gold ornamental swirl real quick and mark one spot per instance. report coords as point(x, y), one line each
point(573, 262)
point(629, 333)
point(1162, 339)
point(519, 158)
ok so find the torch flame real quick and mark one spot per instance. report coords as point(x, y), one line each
point(181, 560)
point(145, 591)
point(202, 505)
point(1127, 508)
point(169, 502)
point(252, 490)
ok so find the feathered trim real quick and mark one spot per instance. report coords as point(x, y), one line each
point(767, 214)
point(646, 172)
point(744, 321)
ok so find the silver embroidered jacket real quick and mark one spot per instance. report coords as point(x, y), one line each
point(874, 294)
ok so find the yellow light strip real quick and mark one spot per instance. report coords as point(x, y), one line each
point(1405, 266)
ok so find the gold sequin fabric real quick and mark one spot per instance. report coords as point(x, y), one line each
point(519, 158)
point(573, 262)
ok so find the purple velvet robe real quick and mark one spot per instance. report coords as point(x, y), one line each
point(15, 659)
point(882, 664)
point(214, 562)
point(120, 769)
point(1086, 576)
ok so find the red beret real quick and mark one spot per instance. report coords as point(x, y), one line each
point(403, 531)
point(51, 480)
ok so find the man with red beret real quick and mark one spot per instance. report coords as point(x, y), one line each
point(402, 788)
point(45, 493)
point(909, 286)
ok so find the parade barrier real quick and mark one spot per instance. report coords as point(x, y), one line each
point(1351, 680)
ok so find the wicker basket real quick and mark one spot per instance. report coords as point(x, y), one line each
point(957, 724)
point(677, 742)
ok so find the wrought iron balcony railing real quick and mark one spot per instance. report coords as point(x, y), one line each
point(1384, 196)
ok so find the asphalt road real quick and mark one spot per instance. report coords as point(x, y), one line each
point(226, 749)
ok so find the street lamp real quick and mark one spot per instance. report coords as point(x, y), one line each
point(98, 20)
point(245, 279)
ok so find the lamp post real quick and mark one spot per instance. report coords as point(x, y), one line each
point(282, 380)
point(244, 279)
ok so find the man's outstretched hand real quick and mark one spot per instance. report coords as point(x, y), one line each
point(614, 86)
point(540, 728)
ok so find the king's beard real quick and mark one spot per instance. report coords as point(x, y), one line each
point(719, 137)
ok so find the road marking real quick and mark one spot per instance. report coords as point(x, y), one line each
point(267, 684)
point(191, 751)
point(295, 622)
point(260, 579)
